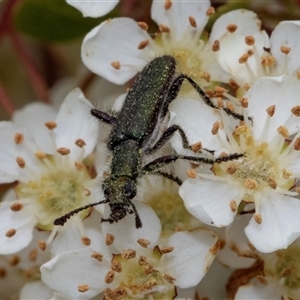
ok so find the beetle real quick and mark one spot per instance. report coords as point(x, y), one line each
point(134, 135)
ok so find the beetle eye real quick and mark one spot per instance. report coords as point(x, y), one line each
point(129, 190)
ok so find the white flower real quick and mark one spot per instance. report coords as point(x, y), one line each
point(246, 56)
point(94, 8)
point(266, 172)
point(50, 182)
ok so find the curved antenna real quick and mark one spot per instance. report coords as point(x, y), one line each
point(138, 222)
point(62, 220)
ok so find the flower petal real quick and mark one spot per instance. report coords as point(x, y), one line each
point(35, 290)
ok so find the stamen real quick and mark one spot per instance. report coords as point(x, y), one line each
point(233, 206)
point(258, 218)
point(271, 110)
point(11, 232)
point(21, 162)
point(210, 11)
point(51, 125)
point(19, 138)
point(128, 254)
point(249, 40)
point(216, 46)
point(83, 288)
point(86, 241)
point(164, 28)
point(165, 250)
point(143, 44)
point(42, 245)
point(109, 278)
point(285, 49)
point(39, 154)
point(116, 65)
point(80, 143)
point(192, 21)
point(143, 25)
point(97, 256)
point(169, 278)
point(296, 110)
point(63, 151)
point(168, 4)
point(231, 28)
point(16, 206)
point(116, 266)
point(283, 131)
point(143, 242)
point(196, 147)
point(109, 239)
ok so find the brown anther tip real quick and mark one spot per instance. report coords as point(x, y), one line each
point(219, 89)
point(246, 86)
point(231, 28)
point(18, 138)
point(42, 245)
point(10, 233)
point(143, 44)
point(286, 174)
point(109, 277)
point(143, 25)
point(297, 144)
point(3, 273)
point(233, 84)
point(116, 65)
point(164, 28)
point(16, 206)
point(192, 21)
point(21, 162)
point(85, 241)
point(142, 260)
point(257, 218)
point(271, 110)
point(296, 111)
point(143, 242)
point(233, 206)
point(250, 184)
point(129, 253)
point(231, 169)
point(79, 165)
point(109, 239)
point(63, 151)
point(215, 128)
point(249, 40)
point(269, 61)
point(196, 147)
point(244, 102)
point(191, 173)
point(39, 154)
point(169, 278)
point(210, 11)
point(51, 125)
point(167, 249)
point(14, 260)
point(283, 131)
point(97, 256)
point(244, 58)
point(272, 183)
point(167, 4)
point(83, 288)
point(216, 46)
point(285, 49)
point(116, 266)
point(230, 106)
point(32, 256)
point(80, 143)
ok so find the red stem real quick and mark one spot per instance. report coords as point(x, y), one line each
point(6, 102)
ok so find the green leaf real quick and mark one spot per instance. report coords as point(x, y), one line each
point(53, 21)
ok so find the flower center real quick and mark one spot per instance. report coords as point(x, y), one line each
point(57, 192)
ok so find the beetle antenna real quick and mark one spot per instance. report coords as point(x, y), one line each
point(62, 220)
point(138, 222)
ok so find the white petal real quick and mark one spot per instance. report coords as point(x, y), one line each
point(107, 43)
point(75, 122)
point(35, 290)
point(21, 221)
point(33, 117)
point(209, 200)
point(192, 256)
point(125, 232)
point(246, 21)
point(9, 151)
point(280, 91)
point(280, 223)
point(286, 34)
point(94, 8)
point(71, 269)
point(258, 291)
point(177, 17)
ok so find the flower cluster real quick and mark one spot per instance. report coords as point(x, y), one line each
point(234, 220)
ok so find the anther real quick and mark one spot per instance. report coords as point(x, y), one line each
point(243, 129)
point(63, 151)
point(14, 260)
point(79, 166)
point(169, 278)
point(16, 206)
point(149, 269)
point(83, 288)
point(285, 50)
point(21, 162)
point(231, 28)
point(97, 256)
point(244, 102)
point(296, 110)
point(164, 28)
point(298, 74)
point(143, 25)
point(143, 44)
point(142, 260)
point(143, 242)
point(230, 106)
point(297, 144)
point(167, 4)
point(109, 278)
point(191, 173)
point(219, 89)
point(192, 21)
point(283, 131)
point(286, 174)
point(32, 256)
point(271, 110)
point(116, 266)
point(205, 76)
point(249, 40)
point(85, 241)
point(51, 125)
point(233, 206)
point(231, 169)
point(109, 239)
point(215, 128)
point(118, 293)
point(167, 249)
point(116, 65)
point(251, 184)
point(269, 61)
point(196, 147)
point(246, 86)
point(19, 138)
point(39, 154)
point(129, 253)
point(257, 218)
point(244, 58)
point(233, 84)
point(216, 46)
point(42, 245)
point(220, 102)
point(272, 183)
point(297, 189)
point(3, 273)
point(10, 233)
point(210, 11)
point(80, 143)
